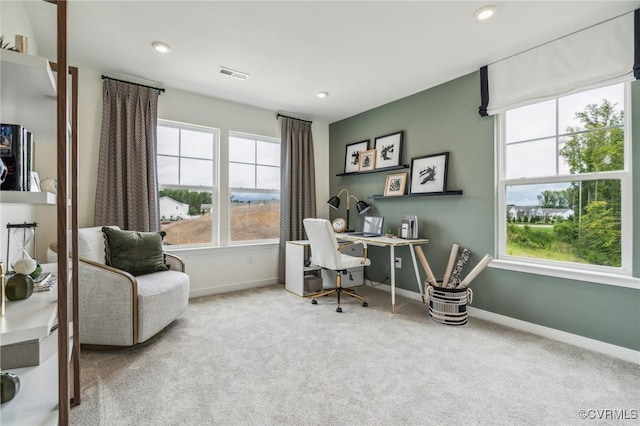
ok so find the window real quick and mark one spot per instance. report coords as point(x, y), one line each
point(254, 187)
point(564, 182)
point(187, 158)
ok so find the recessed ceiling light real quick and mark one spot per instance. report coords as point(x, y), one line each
point(322, 94)
point(484, 13)
point(161, 47)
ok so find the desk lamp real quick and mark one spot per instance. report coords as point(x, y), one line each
point(361, 206)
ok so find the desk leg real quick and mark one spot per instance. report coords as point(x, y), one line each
point(392, 262)
point(415, 268)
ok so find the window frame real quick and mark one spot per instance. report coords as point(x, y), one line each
point(231, 189)
point(215, 184)
point(621, 276)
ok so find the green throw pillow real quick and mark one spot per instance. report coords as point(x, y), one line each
point(135, 252)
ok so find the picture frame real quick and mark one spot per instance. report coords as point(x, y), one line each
point(389, 150)
point(367, 160)
point(395, 184)
point(352, 155)
point(35, 182)
point(429, 173)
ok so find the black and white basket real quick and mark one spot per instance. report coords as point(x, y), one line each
point(449, 305)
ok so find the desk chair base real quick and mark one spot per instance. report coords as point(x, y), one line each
point(339, 290)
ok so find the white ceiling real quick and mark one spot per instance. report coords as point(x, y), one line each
point(365, 54)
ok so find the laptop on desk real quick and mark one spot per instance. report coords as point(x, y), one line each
point(372, 227)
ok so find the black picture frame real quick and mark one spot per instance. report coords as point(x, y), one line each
point(352, 155)
point(429, 173)
point(389, 150)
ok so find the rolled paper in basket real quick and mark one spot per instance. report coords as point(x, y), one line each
point(452, 261)
point(425, 265)
point(462, 261)
point(475, 271)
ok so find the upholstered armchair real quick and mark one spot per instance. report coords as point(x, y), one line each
point(117, 308)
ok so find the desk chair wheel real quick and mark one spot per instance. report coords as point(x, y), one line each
point(314, 302)
point(338, 309)
point(365, 304)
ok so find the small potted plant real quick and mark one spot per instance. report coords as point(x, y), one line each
point(389, 233)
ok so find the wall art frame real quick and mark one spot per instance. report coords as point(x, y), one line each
point(389, 150)
point(395, 184)
point(352, 155)
point(367, 160)
point(429, 173)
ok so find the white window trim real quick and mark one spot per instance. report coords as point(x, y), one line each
point(215, 186)
point(621, 277)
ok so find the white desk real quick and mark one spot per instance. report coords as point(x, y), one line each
point(392, 243)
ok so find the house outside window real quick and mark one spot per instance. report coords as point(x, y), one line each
point(564, 182)
point(187, 159)
point(254, 188)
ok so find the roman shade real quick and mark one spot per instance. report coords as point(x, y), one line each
point(596, 56)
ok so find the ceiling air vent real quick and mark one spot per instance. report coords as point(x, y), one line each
point(233, 73)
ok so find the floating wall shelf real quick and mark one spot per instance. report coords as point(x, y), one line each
point(426, 194)
point(26, 197)
point(384, 169)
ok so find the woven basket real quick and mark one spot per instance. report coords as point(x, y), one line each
point(449, 305)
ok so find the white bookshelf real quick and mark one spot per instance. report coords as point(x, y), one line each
point(26, 197)
point(28, 89)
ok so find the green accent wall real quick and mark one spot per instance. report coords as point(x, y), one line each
point(445, 118)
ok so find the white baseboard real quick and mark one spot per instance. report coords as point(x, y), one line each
point(551, 333)
point(232, 287)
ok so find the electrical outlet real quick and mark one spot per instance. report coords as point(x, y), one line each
point(250, 259)
point(398, 262)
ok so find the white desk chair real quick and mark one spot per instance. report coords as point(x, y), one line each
point(326, 253)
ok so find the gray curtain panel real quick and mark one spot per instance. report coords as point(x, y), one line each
point(298, 183)
point(127, 190)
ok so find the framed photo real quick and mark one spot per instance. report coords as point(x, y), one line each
point(389, 150)
point(367, 160)
point(35, 182)
point(395, 184)
point(352, 156)
point(429, 173)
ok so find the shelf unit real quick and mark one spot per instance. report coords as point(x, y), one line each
point(384, 169)
point(26, 197)
point(426, 194)
point(47, 106)
point(28, 90)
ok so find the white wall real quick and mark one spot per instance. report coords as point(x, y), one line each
point(216, 269)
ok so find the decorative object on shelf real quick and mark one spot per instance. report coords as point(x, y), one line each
point(23, 234)
point(3, 171)
point(49, 185)
point(35, 182)
point(367, 160)
point(9, 386)
point(352, 156)
point(429, 173)
point(389, 150)
point(20, 285)
point(395, 184)
point(36, 272)
point(361, 206)
point(339, 225)
point(16, 151)
point(22, 44)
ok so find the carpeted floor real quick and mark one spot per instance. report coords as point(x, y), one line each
point(265, 356)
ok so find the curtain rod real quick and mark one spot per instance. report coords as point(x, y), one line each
point(135, 84)
point(293, 118)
